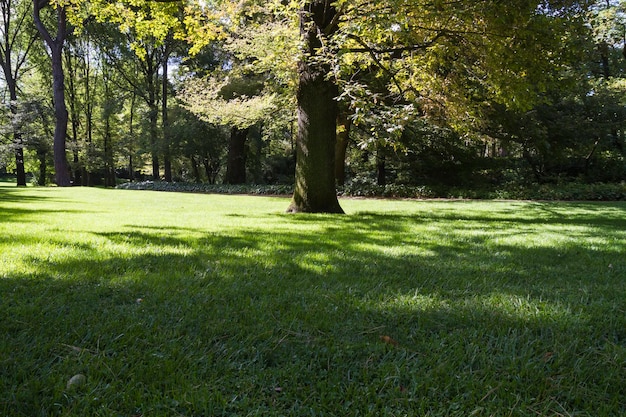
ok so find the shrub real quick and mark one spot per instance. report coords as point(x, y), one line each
point(571, 191)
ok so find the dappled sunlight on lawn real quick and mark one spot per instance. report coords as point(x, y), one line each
point(236, 306)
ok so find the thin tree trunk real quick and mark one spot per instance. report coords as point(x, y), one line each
point(381, 171)
point(72, 72)
point(42, 155)
point(211, 167)
point(153, 108)
point(167, 162)
point(317, 117)
point(17, 134)
point(195, 169)
point(17, 137)
point(19, 159)
point(13, 23)
point(131, 132)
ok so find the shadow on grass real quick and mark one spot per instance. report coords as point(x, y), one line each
point(15, 204)
point(281, 322)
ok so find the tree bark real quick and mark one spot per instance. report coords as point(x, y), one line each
point(236, 164)
point(315, 190)
point(61, 166)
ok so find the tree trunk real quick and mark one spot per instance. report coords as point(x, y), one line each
point(315, 190)
point(61, 166)
point(109, 170)
point(74, 118)
point(211, 168)
point(154, 145)
point(17, 136)
point(195, 169)
point(19, 160)
point(11, 26)
point(167, 162)
point(207, 169)
point(381, 171)
point(153, 108)
point(236, 164)
point(131, 132)
point(42, 155)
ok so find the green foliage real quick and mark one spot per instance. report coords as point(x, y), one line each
point(223, 103)
point(483, 308)
point(364, 187)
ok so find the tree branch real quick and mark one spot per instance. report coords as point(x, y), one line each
point(393, 50)
point(41, 28)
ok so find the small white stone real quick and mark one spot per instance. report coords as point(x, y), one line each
point(76, 381)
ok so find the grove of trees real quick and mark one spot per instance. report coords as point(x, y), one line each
point(316, 93)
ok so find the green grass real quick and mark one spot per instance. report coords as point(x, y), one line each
point(208, 305)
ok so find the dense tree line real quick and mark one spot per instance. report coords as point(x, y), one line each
point(470, 93)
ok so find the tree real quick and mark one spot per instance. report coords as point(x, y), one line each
point(237, 102)
point(437, 58)
point(317, 113)
point(16, 41)
point(55, 45)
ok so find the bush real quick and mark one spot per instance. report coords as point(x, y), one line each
point(572, 191)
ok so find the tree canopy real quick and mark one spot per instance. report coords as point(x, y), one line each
point(398, 91)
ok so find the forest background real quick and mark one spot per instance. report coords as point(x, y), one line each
point(524, 99)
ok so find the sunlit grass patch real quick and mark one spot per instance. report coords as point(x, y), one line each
point(197, 305)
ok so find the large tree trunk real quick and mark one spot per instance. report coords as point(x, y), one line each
point(61, 166)
point(317, 118)
point(236, 164)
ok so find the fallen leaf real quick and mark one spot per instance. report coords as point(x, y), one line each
point(389, 340)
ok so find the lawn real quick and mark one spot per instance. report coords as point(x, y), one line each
point(177, 304)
